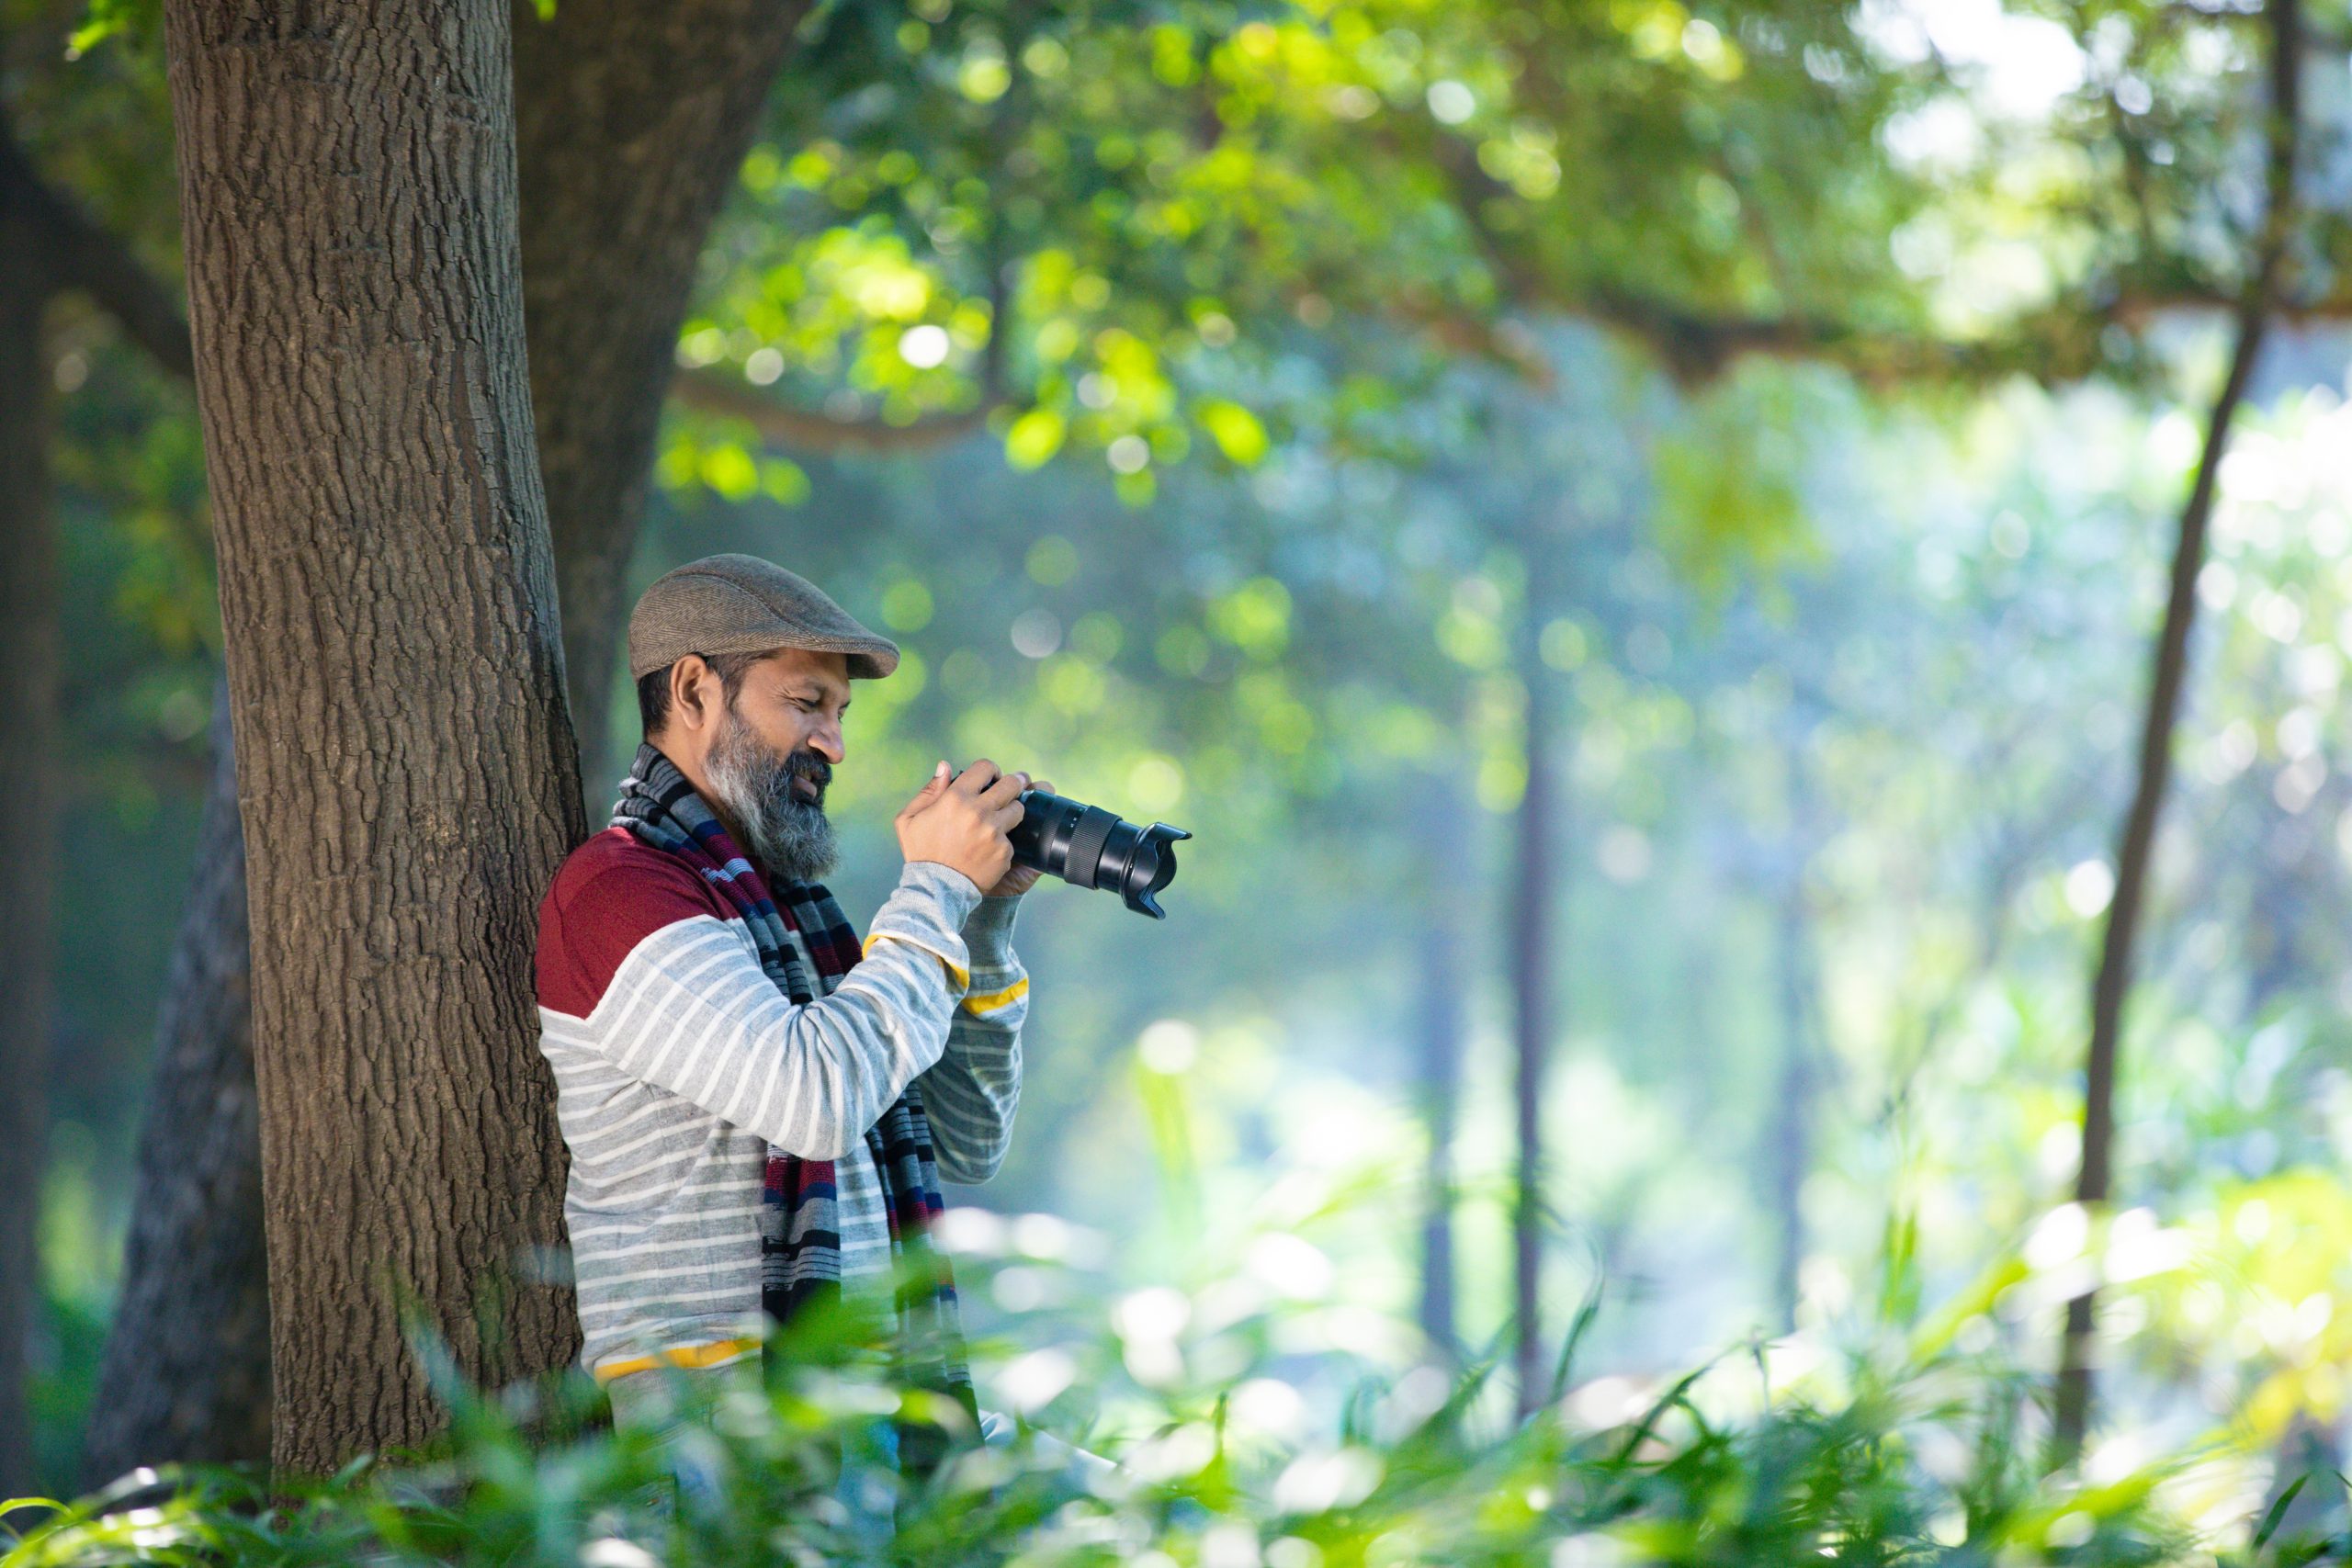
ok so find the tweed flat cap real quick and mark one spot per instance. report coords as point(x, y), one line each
point(736, 603)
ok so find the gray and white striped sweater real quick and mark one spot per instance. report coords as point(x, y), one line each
point(677, 1061)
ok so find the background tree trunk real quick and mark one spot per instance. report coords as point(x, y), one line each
point(407, 774)
point(632, 121)
point(29, 671)
point(1791, 1155)
point(1532, 979)
point(1438, 1028)
point(2168, 674)
point(1791, 1151)
point(185, 1374)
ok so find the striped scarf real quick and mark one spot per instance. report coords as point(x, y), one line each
point(800, 1257)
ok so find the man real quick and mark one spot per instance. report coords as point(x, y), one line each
point(758, 1107)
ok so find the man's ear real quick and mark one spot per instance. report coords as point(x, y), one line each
point(696, 697)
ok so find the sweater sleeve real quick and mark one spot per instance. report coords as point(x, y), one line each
point(973, 1091)
point(688, 1008)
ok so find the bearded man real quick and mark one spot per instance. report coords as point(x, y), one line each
point(760, 1107)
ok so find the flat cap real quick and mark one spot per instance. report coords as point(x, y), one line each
point(735, 604)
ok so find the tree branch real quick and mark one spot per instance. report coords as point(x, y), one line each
point(79, 253)
point(715, 391)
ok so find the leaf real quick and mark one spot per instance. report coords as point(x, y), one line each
point(105, 18)
point(1034, 437)
point(1235, 430)
point(2278, 1514)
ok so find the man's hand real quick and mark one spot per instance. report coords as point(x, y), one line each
point(1018, 879)
point(963, 822)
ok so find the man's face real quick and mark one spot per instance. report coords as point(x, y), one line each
point(775, 755)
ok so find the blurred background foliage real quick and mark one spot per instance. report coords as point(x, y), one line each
point(1248, 415)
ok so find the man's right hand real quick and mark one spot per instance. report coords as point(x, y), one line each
point(963, 821)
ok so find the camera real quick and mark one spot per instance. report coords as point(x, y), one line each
point(1089, 847)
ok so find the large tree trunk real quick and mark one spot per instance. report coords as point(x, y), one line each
point(28, 666)
point(1532, 988)
point(1438, 1036)
point(186, 1375)
point(633, 118)
point(407, 774)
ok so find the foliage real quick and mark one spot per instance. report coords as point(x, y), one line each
point(1768, 1457)
point(1098, 214)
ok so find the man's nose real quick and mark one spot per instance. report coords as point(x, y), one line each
point(827, 743)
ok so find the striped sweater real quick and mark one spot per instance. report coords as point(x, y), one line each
point(677, 1061)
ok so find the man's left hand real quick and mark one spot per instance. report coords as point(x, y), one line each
point(1018, 879)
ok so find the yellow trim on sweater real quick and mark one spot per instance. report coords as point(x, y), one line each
point(961, 975)
point(992, 1000)
point(718, 1352)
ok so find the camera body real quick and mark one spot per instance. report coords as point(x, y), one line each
point(1089, 847)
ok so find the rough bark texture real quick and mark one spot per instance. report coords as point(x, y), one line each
point(2168, 674)
point(1438, 1026)
point(631, 122)
point(407, 775)
point(28, 666)
point(633, 118)
point(186, 1375)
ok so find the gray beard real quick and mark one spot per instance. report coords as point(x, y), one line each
point(788, 838)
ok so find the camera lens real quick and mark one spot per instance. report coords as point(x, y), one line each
point(1089, 847)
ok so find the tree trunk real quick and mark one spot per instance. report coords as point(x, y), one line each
point(1438, 1035)
point(407, 775)
point(2070, 1409)
point(186, 1375)
point(1791, 1152)
point(632, 120)
point(1531, 983)
point(29, 671)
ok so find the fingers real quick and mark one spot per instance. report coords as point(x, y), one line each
point(1007, 786)
point(977, 775)
point(994, 794)
point(931, 791)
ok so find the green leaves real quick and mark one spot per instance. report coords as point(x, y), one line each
point(1032, 440)
point(1235, 430)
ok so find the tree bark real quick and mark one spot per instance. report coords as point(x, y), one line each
point(407, 775)
point(633, 119)
point(1533, 985)
point(28, 674)
point(2071, 1410)
point(1438, 1028)
point(185, 1374)
point(631, 122)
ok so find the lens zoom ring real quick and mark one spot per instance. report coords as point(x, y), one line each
point(1086, 846)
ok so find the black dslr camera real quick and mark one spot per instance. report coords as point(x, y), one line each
point(1089, 847)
